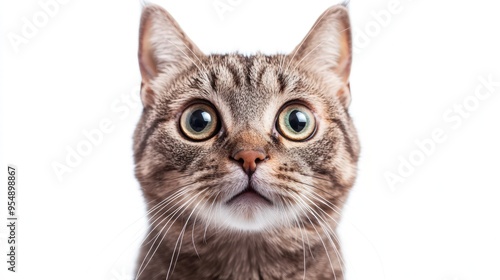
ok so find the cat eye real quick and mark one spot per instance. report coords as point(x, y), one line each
point(199, 122)
point(296, 122)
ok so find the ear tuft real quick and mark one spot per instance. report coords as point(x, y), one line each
point(346, 3)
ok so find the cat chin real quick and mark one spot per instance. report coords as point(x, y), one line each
point(249, 217)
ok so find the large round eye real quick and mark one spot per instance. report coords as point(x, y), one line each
point(296, 122)
point(199, 122)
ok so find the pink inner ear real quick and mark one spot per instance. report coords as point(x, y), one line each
point(147, 62)
point(344, 63)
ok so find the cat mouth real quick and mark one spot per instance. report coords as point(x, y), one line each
point(249, 195)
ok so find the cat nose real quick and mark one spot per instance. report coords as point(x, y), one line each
point(249, 159)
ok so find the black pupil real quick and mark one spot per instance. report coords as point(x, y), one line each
point(199, 120)
point(297, 120)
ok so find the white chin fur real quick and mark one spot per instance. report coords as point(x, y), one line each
point(249, 218)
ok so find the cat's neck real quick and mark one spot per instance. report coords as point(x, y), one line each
point(223, 255)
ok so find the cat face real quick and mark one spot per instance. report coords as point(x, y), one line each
point(248, 143)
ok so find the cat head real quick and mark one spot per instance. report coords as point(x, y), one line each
point(246, 143)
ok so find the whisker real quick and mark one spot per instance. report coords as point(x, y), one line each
point(312, 224)
point(166, 200)
point(322, 224)
point(159, 217)
point(179, 240)
point(194, 223)
point(161, 230)
point(322, 199)
point(303, 243)
point(210, 214)
point(313, 186)
point(331, 230)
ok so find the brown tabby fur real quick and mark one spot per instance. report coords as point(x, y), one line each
point(185, 183)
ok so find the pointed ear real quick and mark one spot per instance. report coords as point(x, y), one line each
point(326, 50)
point(163, 48)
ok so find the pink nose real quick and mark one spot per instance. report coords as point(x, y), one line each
point(249, 159)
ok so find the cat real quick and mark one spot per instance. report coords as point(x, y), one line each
point(245, 161)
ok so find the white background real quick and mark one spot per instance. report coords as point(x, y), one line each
point(441, 223)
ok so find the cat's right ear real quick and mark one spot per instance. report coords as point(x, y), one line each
point(163, 49)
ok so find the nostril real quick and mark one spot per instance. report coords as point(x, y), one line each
point(249, 159)
point(261, 158)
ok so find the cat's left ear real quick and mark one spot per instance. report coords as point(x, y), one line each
point(327, 49)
